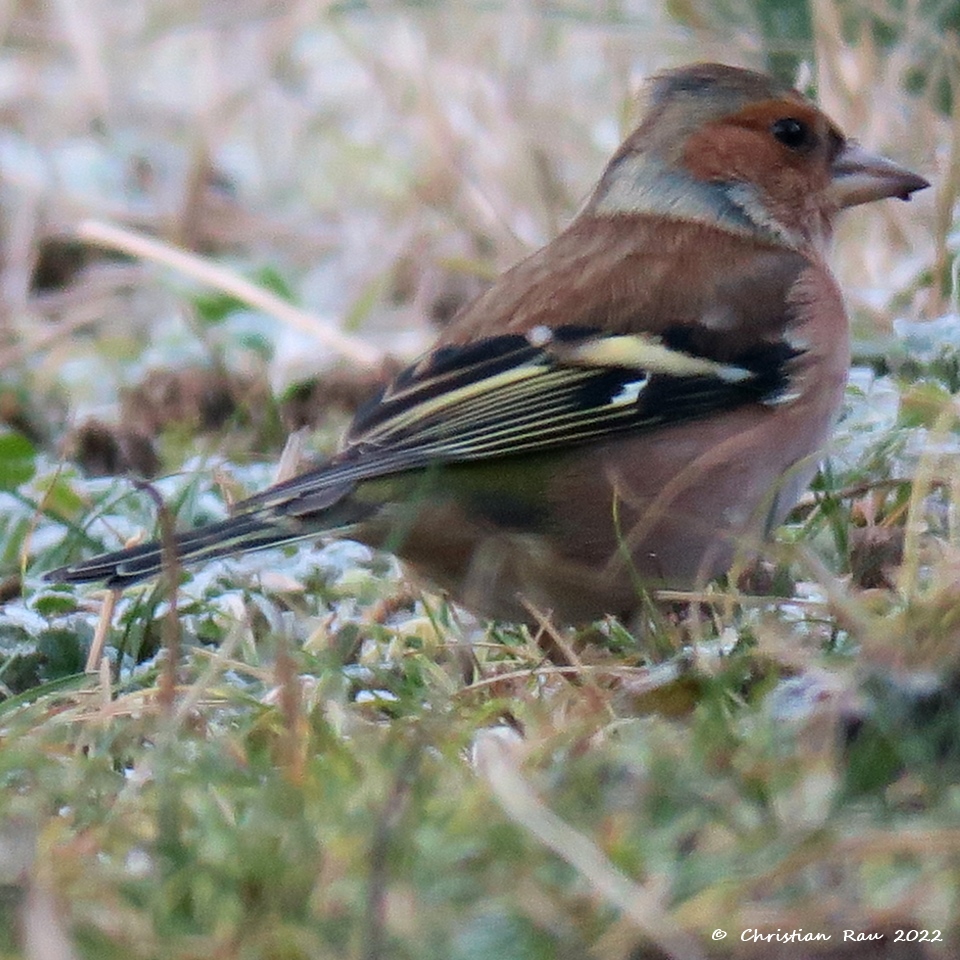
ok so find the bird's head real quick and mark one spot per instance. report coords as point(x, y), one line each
point(748, 153)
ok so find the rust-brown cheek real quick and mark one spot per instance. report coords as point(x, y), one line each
point(726, 153)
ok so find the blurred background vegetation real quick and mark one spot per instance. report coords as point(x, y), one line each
point(300, 755)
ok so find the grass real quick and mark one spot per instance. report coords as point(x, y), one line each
point(302, 755)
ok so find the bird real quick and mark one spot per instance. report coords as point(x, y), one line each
point(633, 407)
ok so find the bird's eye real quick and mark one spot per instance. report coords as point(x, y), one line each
point(792, 133)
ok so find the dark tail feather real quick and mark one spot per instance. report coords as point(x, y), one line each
point(125, 567)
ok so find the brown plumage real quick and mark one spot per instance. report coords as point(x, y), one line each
point(630, 406)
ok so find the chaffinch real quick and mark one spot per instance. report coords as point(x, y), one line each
point(626, 408)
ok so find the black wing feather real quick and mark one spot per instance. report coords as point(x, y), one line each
point(504, 396)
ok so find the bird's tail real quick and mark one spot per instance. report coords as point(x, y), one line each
point(241, 533)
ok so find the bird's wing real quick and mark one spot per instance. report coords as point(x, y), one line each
point(547, 390)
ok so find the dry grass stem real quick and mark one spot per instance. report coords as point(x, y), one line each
point(498, 766)
point(205, 271)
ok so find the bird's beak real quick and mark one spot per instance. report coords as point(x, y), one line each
point(860, 177)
